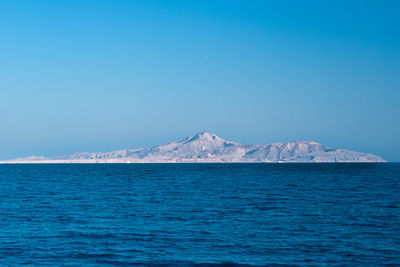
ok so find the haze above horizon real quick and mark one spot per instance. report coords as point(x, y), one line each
point(103, 75)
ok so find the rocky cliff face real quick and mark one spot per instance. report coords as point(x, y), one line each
point(207, 147)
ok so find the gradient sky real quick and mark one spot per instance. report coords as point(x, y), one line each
point(105, 75)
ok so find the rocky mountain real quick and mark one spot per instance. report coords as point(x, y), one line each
point(207, 147)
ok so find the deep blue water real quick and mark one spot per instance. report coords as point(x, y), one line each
point(188, 214)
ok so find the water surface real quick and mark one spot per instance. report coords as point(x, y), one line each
point(188, 214)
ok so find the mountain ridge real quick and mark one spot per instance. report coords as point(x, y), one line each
point(205, 147)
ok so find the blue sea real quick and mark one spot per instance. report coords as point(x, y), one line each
point(200, 214)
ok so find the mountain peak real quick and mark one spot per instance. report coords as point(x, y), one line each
point(204, 136)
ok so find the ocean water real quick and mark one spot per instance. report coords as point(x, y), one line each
point(200, 214)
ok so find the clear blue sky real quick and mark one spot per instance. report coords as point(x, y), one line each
point(104, 75)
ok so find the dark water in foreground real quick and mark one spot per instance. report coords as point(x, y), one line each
point(187, 214)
